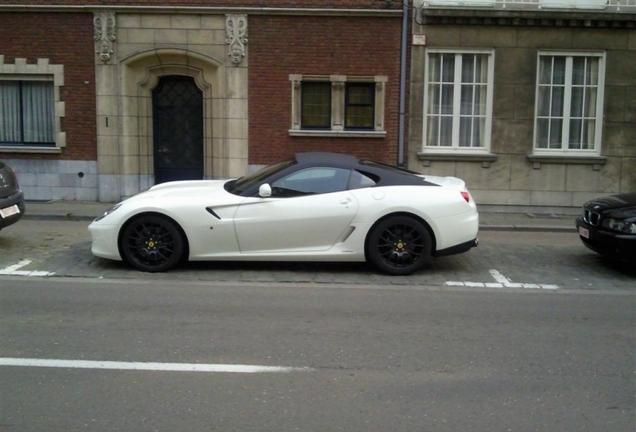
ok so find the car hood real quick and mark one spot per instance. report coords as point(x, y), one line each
point(619, 206)
point(183, 189)
point(612, 202)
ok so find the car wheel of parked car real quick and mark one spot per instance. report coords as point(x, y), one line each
point(399, 245)
point(152, 243)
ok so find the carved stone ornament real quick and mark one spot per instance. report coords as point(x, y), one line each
point(236, 36)
point(105, 34)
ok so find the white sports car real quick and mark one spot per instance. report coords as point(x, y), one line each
point(315, 207)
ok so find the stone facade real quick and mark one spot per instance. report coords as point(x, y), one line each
point(511, 177)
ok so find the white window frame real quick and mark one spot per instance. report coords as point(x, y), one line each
point(455, 148)
point(42, 70)
point(598, 131)
point(337, 128)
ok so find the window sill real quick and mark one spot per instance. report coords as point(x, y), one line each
point(485, 158)
point(30, 149)
point(337, 134)
point(595, 161)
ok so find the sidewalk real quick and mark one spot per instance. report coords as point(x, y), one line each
point(489, 221)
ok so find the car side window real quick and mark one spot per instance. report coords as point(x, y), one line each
point(311, 181)
point(357, 180)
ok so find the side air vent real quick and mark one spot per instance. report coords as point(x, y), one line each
point(212, 212)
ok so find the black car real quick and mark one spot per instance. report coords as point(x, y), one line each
point(608, 226)
point(11, 197)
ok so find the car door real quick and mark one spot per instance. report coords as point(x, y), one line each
point(308, 211)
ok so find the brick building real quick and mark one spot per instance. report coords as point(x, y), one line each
point(102, 99)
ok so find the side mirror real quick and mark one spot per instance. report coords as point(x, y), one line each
point(265, 190)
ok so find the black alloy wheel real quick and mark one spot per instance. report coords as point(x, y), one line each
point(399, 245)
point(152, 243)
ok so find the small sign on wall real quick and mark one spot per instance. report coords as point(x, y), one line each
point(419, 39)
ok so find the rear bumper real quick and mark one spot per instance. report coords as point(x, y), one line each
point(8, 202)
point(457, 249)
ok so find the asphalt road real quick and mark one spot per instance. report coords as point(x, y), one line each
point(528, 332)
point(364, 357)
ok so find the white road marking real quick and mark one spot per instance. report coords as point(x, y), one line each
point(502, 282)
point(13, 270)
point(144, 366)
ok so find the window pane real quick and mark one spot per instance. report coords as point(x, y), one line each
point(576, 104)
point(558, 74)
point(556, 126)
point(543, 109)
point(591, 74)
point(589, 109)
point(448, 68)
point(434, 103)
point(468, 68)
point(557, 101)
point(575, 134)
point(316, 105)
point(359, 117)
point(467, 107)
point(545, 70)
point(543, 131)
point(578, 70)
point(432, 129)
point(359, 106)
point(10, 111)
point(465, 131)
point(589, 132)
point(447, 99)
point(446, 132)
point(39, 111)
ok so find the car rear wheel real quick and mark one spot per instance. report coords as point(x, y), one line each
point(152, 243)
point(399, 245)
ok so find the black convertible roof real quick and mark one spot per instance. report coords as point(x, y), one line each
point(385, 175)
point(341, 159)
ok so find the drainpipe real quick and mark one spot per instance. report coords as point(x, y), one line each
point(401, 131)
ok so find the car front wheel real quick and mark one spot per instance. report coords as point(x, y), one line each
point(399, 245)
point(152, 243)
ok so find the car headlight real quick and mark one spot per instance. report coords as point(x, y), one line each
point(107, 212)
point(620, 225)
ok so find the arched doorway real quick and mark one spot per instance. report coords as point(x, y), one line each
point(177, 105)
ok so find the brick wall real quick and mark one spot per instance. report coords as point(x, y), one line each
point(327, 4)
point(280, 46)
point(65, 39)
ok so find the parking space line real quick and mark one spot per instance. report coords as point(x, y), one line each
point(145, 366)
point(13, 270)
point(502, 282)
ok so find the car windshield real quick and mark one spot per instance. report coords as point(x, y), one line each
point(242, 184)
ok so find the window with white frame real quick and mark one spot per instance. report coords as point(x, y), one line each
point(27, 112)
point(569, 103)
point(338, 105)
point(31, 110)
point(458, 101)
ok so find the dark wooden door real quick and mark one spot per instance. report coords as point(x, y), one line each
point(178, 129)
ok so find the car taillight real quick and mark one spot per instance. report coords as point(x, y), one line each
point(466, 196)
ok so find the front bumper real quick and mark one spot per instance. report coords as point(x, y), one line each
point(606, 242)
point(104, 240)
